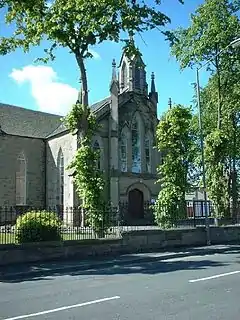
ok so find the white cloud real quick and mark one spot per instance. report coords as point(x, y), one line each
point(95, 54)
point(50, 94)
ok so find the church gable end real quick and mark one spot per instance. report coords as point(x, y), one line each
point(125, 138)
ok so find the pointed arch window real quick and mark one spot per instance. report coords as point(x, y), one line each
point(61, 178)
point(148, 158)
point(123, 151)
point(124, 75)
point(136, 146)
point(96, 147)
point(21, 180)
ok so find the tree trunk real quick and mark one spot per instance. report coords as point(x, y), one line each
point(84, 82)
point(83, 125)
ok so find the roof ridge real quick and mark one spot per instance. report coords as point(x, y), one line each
point(55, 131)
point(101, 100)
point(30, 110)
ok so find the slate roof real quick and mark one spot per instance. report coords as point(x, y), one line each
point(98, 105)
point(35, 124)
point(95, 108)
point(60, 129)
point(27, 123)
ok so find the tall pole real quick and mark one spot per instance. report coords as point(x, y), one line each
point(203, 160)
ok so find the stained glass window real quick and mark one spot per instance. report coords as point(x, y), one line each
point(124, 75)
point(147, 153)
point(123, 152)
point(136, 147)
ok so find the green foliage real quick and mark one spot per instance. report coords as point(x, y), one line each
point(37, 226)
point(175, 142)
point(77, 24)
point(81, 120)
point(225, 144)
point(217, 182)
point(169, 207)
point(214, 25)
point(88, 179)
point(90, 184)
point(230, 93)
point(229, 159)
point(216, 146)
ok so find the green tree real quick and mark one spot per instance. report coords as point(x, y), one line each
point(175, 141)
point(217, 180)
point(77, 25)
point(88, 178)
point(213, 26)
point(230, 155)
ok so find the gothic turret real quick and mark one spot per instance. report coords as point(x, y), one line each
point(153, 95)
point(114, 89)
point(114, 80)
point(132, 74)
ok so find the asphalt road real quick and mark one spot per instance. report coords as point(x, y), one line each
point(171, 287)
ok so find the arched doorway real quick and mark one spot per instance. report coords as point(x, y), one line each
point(135, 204)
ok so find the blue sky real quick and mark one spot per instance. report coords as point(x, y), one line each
point(53, 87)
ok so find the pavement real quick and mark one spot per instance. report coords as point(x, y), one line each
point(197, 283)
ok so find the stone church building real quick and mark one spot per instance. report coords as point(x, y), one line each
point(36, 147)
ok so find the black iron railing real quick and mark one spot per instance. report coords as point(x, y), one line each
point(73, 222)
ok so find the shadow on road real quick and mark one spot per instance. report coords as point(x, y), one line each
point(148, 265)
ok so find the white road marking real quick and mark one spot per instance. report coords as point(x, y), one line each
point(63, 308)
point(186, 258)
point(215, 277)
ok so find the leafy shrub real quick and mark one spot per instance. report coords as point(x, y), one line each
point(36, 226)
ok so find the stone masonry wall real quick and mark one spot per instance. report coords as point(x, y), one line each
point(68, 145)
point(33, 149)
point(130, 242)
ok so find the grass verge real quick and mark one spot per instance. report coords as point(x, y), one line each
point(9, 238)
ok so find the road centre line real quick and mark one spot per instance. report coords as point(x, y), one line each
point(63, 308)
point(214, 277)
